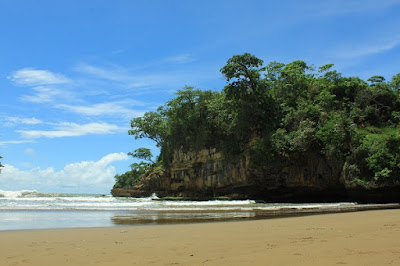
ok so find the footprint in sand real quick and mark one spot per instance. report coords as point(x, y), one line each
point(271, 246)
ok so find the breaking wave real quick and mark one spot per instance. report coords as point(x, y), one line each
point(33, 200)
point(28, 209)
point(18, 194)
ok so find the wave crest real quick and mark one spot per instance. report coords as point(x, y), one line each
point(18, 194)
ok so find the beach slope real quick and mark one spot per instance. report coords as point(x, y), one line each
point(359, 238)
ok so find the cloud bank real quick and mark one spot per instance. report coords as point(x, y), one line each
point(367, 49)
point(94, 176)
point(12, 120)
point(71, 130)
point(103, 109)
point(34, 77)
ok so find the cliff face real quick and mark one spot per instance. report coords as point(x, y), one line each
point(206, 174)
point(203, 174)
point(307, 178)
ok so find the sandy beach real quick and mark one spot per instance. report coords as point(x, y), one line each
point(359, 238)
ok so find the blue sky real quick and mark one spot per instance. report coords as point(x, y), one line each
point(74, 73)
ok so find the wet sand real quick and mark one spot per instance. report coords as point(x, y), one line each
point(358, 238)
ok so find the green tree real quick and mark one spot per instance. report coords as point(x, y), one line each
point(142, 153)
point(248, 96)
point(292, 84)
point(138, 169)
point(325, 68)
point(376, 79)
point(274, 71)
point(379, 155)
point(243, 72)
point(396, 82)
point(152, 125)
point(191, 119)
point(131, 177)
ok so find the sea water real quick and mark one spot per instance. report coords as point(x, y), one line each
point(30, 209)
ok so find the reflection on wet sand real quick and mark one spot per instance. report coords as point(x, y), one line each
point(179, 216)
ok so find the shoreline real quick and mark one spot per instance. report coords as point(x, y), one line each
point(293, 213)
point(15, 220)
point(58, 219)
point(354, 238)
point(253, 215)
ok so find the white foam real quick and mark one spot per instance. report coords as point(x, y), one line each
point(209, 203)
point(154, 196)
point(17, 194)
point(33, 200)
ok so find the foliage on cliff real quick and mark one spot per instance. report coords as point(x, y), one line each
point(131, 177)
point(280, 112)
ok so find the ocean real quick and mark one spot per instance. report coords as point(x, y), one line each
point(29, 209)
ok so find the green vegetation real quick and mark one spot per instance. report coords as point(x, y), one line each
point(131, 177)
point(0, 162)
point(280, 112)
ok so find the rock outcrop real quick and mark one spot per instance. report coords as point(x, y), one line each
point(201, 175)
point(206, 175)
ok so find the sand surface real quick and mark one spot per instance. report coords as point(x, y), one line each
point(361, 238)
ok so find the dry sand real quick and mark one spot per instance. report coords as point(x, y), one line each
point(360, 238)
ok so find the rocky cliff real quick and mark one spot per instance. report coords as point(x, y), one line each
point(203, 174)
point(206, 175)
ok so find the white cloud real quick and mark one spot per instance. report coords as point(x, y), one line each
point(35, 77)
point(43, 95)
point(131, 79)
point(12, 120)
point(103, 73)
point(80, 176)
point(71, 130)
point(120, 76)
point(108, 108)
point(3, 143)
point(46, 85)
point(365, 49)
